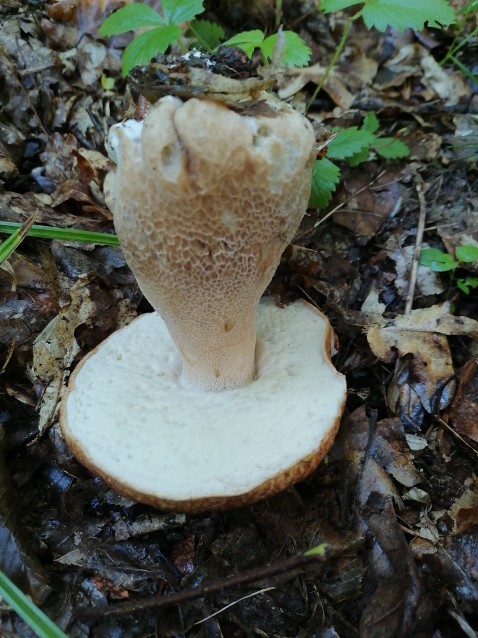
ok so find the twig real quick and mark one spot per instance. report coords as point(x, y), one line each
point(341, 205)
point(418, 245)
point(221, 584)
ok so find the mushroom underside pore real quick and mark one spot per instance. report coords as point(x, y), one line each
point(129, 419)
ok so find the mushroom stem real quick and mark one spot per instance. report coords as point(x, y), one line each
point(206, 200)
point(223, 358)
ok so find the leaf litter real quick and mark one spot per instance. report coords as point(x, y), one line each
point(396, 501)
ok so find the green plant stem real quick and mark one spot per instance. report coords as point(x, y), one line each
point(196, 35)
point(466, 72)
point(278, 13)
point(454, 48)
point(62, 234)
point(332, 62)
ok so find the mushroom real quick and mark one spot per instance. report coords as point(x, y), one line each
point(215, 400)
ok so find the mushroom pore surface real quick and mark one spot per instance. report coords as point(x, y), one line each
point(206, 200)
point(160, 443)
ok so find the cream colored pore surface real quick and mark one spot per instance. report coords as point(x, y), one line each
point(131, 417)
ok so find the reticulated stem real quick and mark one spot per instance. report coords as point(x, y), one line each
point(217, 355)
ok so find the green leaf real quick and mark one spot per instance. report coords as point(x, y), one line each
point(465, 284)
point(325, 178)
point(318, 550)
point(370, 123)
point(209, 35)
point(348, 142)
point(248, 41)
point(27, 610)
point(327, 6)
point(467, 253)
point(390, 148)
point(437, 260)
point(297, 53)
point(359, 158)
point(145, 46)
point(133, 16)
point(407, 14)
point(177, 11)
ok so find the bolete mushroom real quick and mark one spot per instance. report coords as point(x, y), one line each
point(215, 400)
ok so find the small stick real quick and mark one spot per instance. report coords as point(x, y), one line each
point(341, 205)
point(418, 245)
point(220, 584)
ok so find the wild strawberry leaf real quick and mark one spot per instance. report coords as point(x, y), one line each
point(370, 123)
point(390, 148)
point(133, 16)
point(325, 177)
point(406, 14)
point(248, 41)
point(328, 6)
point(399, 14)
point(348, 142)
point(148, 44)
point(296, 51)
point(177, 11)
point(208, 35)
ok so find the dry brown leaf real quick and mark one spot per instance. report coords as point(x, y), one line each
point(424, 362)
point(464, 409)
point(464, 510)
point(434, 319)
point(378, 453)
point(447, 85)
point(293, 80)
point(55, 348)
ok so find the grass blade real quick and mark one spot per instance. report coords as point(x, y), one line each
point(28, 611)
point(62, 234)
point(19, 234)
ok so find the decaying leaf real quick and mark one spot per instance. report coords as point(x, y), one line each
point(293, 80)
point(381, 451)
point(56, 347)
point(392, 609)
point(424, 362)
point(464, 510)
point(464, 409)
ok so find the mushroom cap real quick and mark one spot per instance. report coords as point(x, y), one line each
point(127, 417)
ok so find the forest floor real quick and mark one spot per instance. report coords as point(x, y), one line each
point(396, 500)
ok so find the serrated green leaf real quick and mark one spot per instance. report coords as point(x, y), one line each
point(390, 148)
point(248, 41)
point(358, 158)
point(467, 253)
point(348, 142)
point(407, 14)
point(370, 123)
point(133, 16)
point(437, 260)
point(209, 35)
point(325, 177)
point(296, 52)
point(177, 11)
point(328, 6)
point(145, 46)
